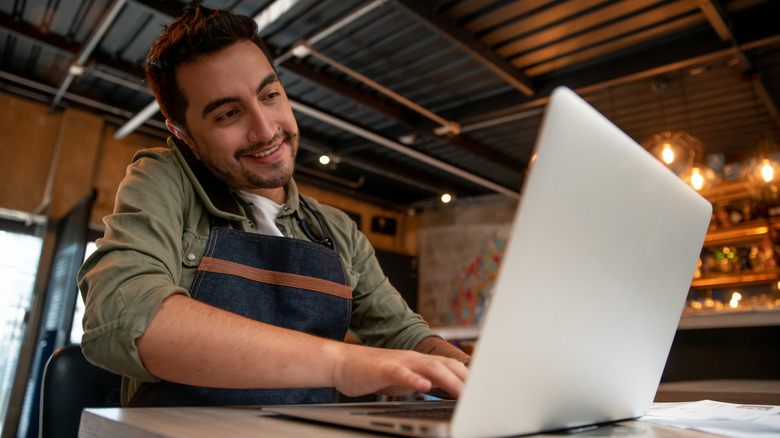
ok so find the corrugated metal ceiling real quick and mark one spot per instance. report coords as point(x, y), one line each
point(481, 67)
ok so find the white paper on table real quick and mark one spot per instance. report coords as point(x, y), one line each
point(728, 419)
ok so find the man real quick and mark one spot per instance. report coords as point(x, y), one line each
point(216, 282)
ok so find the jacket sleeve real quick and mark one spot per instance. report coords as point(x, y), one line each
point(137, 264)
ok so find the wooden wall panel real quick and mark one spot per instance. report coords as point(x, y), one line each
point(90, 157)
point(79, 144)
point(115, 156)
point(28, 135)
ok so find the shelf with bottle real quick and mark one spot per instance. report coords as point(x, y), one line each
point(738, 270)
point(743, 232)
point(749, 262)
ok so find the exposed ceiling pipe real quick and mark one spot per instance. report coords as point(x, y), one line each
point(127, 128)
point(373, 169)
point(149, 111)
point(77, 68)
point(71, 97)
point(327, 176)
point(137, 120)
point(121, 81)
point(398, 147)
point(303, 48)
point(504, 119)
point(43, 207)
point(319, 36)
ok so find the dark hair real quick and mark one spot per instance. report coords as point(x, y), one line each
point(199, 31)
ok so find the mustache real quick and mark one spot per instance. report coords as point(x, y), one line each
point(285, 136)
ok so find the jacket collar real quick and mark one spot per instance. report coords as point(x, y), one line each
point(216, 195)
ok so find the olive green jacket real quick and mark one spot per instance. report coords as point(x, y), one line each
point(154, 241)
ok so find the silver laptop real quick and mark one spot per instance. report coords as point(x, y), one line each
point(599, 261)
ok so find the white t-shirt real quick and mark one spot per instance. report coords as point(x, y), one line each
point(265, 211)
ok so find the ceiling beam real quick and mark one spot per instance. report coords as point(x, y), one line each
point(65, 47)
point(470, 45)
point(393, 112)
point(301, 69)
point(400, 148)
point(715, 14)
point(720, 21)
point(165, 7)
point(77, 68)
point(688, 49)
point(27, 31)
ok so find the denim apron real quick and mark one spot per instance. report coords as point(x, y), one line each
point(291, 283)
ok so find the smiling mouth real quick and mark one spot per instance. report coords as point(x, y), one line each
point(266, 152)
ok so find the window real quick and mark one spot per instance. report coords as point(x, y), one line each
point(76, 330)
point(19, 256)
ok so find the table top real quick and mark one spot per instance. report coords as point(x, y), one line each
point(763, 392)
point(238, 422)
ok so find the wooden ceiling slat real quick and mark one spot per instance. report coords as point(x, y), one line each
point(571, 27)
point(739, 5)
point(547, 17)
point(732, 122)
point(680, 114)
point(743, 142)
point(623, 43)
point(624, 29)
point(501, 15)
point(726, 105)
point(467, 7)
point(723, 124)
point(464, 41)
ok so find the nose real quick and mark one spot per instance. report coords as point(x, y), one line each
point(261, 128)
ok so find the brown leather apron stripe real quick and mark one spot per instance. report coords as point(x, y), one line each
point(220, 266)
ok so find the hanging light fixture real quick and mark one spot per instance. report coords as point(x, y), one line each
point(677, 150)
point(700, 177)
point(766, 167)
point(681, 152)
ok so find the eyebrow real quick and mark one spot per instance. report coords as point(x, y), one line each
point(213, 105)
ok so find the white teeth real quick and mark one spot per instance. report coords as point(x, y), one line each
point(266, 153)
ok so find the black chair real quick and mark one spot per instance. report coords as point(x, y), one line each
point(70, 384)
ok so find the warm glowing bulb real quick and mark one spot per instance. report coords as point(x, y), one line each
point(736, 296)
point(697, 180)
point(324, 159)
point(446, 198)
point(667, 153)
point(767, 172)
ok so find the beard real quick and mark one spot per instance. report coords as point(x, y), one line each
point(275, 175)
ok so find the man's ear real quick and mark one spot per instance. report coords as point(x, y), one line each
point(182, 135)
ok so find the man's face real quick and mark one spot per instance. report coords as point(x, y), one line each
point(239, 120)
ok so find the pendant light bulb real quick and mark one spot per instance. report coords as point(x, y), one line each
point(697, 180)
point(767, 172)
point(667, 154)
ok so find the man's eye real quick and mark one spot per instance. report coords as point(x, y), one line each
point(226, 115)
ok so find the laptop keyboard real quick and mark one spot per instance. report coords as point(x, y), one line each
point(439, 413)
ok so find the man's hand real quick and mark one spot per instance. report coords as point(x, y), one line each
point(192, 343)
point(365, 370)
